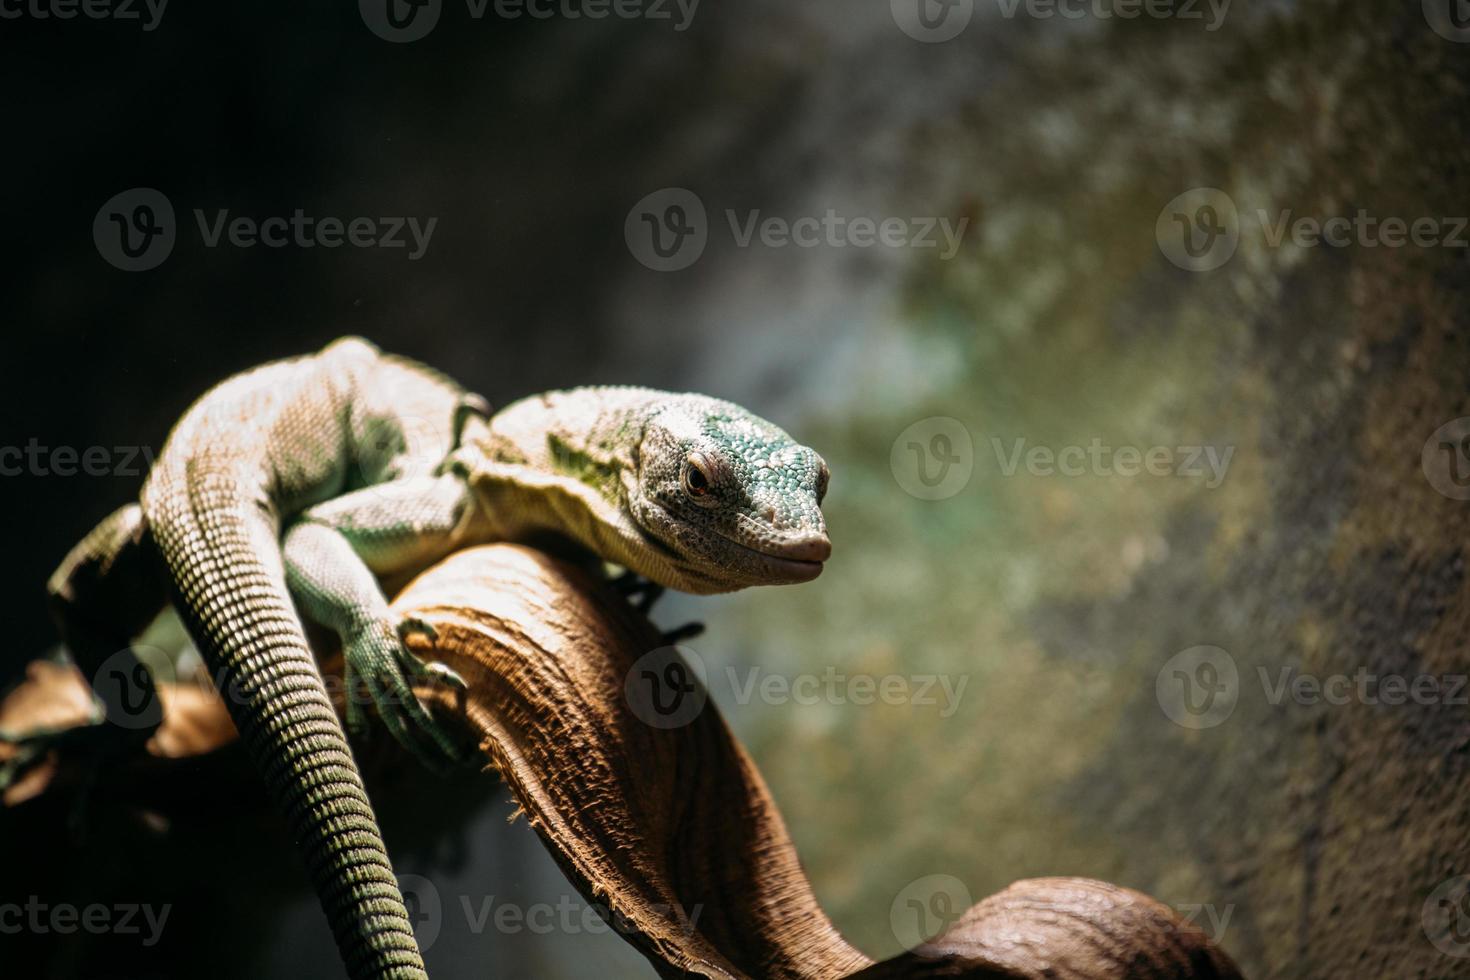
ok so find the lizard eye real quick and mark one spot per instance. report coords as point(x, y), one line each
point(699, 479)
point(824, 476)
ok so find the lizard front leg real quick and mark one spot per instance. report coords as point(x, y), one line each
point(332, 553)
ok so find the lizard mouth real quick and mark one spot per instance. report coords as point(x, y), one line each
point(800, 561)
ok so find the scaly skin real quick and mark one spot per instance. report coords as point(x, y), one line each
point(311, 477)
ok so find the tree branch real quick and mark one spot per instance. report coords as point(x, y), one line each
point(671, 826)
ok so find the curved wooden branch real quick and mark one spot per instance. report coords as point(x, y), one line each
point(671, 827)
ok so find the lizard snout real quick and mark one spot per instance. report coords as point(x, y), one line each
point(807, 546)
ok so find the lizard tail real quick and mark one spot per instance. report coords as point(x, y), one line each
point(222, 552)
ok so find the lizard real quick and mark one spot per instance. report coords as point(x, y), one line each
point(288, 492)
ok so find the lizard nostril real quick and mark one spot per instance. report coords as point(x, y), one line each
point(770, 514)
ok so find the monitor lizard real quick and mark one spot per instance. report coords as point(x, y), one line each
point(309, 479)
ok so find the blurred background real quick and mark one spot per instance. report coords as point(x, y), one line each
point(1121, 467)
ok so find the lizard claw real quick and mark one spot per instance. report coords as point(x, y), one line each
point(639, 591)
point(444, 674)
point(357, 720)
point(686, 632)
point(380, 660)
point(417, 667)
point(412, 624)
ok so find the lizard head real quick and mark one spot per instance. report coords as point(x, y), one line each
point(726, 498)
point(691, 492)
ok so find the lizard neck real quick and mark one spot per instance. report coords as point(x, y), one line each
point(565, 463)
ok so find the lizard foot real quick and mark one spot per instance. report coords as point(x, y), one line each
point(30, 750)
point(378, 660)
point(91, 748)
point(686, 632)
point(641, 592)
